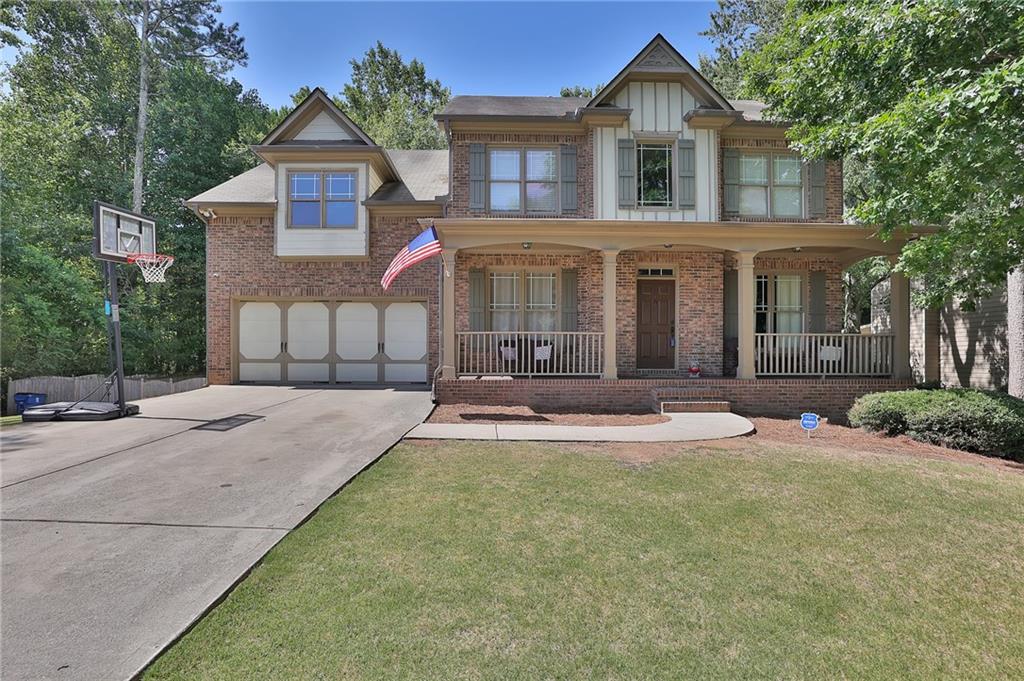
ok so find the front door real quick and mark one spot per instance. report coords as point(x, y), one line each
point(655, 323)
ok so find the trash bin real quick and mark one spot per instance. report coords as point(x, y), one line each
point(23, 401)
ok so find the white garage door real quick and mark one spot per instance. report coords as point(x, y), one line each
point(371, 341)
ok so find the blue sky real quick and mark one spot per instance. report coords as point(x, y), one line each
point(495, 48)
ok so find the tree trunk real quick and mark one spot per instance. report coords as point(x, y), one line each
point(140, 128)
point(1015, 329)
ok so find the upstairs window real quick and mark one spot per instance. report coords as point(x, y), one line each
point(523, 180)
point(770, 185)
point(322, 199)
point(654, 175)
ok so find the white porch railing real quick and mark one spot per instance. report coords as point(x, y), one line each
point(823, 354)
point(530, 353)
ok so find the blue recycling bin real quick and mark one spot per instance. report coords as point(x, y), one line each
point(23, 401)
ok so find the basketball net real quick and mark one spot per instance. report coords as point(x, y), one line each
point(153, 265)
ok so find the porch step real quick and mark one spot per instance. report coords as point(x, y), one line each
point(694, 406)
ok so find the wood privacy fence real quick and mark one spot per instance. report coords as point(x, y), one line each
point(71, 388)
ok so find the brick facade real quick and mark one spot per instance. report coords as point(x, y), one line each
point(833, 180)
point(240, 262)
point(787, 397)
point(458, 206)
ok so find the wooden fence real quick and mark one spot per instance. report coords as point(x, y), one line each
point(71, 388)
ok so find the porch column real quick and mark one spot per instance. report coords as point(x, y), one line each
point(609, 295)
point(899, 321)
point(745, 310)
point(448, 314)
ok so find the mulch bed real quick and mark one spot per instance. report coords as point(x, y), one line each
point(476, 413)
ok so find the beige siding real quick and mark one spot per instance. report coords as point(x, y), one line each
point(320, 243)
point(323, 127)
point(972, 349)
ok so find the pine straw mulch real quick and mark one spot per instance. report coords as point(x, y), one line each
point(477, 413)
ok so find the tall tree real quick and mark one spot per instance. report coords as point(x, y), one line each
point(580, 90)
point(394, 101)
point(737, 27)
point(169, 32)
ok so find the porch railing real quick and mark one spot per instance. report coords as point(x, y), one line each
point(823, 354)
point(530, 353)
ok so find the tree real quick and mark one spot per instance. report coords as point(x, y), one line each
point(170, 31)
point(580, 90)
point(382, 82)
point(738, 27)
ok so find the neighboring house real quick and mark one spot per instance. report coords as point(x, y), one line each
point(595, 250)
point(956, 347)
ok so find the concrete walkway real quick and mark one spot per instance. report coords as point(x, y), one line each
point(681, 428)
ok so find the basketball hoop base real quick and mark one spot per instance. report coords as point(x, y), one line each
point(153, 265)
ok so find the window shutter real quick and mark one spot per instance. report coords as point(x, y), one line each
point(731, 180)
point(477, 300)
point(570, 306)
point(816, 318)
point(569, 182)
point(477, 175)
point(730, 290)
point(627, 173)
point(687, 174)
point(816, 187)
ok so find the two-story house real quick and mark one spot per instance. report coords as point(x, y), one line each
point(598, 253)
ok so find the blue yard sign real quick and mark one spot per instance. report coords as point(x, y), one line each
point(809, 422)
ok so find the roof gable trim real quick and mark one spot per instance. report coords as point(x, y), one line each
point(316, 103)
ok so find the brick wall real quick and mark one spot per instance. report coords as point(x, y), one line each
point(240, 261)
point(790, 397)
point(458, 206)
point(833, 180)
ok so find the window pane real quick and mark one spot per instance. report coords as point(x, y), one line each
point(761, 292)
point(341, 213)
point(504, 321)
point(505, 291)
point(306, 213)
point(786, 170)
point(505, 196)
point(541, 196)
point(341, 186)
point(654, 181)
point(504, 164)
point(788, 322)
point(787, 292)
point(540, 291)
point(753, 169)
point(786, 202)
point(305, 186)
point(761, 322)
point(753, 201)
point(541, 321)
point(541, 164)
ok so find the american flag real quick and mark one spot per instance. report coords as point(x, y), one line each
point(419, 249)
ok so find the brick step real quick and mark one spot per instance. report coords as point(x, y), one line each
point(694, 406)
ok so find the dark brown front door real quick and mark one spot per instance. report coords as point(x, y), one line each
point(655, 323)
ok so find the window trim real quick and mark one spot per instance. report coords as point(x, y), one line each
point(322, 173)
point(521, 293)
point(522, 181)
point(770, 185)
point(771, 309)
point(673, 179)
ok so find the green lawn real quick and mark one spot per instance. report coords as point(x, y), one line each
point(529, 561)
point(12, 420)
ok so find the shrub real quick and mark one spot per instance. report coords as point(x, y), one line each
point(972, 420)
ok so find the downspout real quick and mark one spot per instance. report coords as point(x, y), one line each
point(440, 270)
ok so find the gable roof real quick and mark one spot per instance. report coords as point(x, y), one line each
point(316, 103)
point(423, 176)
point(660, 58)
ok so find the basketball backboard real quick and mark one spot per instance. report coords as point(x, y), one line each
point(118, 233)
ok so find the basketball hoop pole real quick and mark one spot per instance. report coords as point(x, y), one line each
point(115, 325)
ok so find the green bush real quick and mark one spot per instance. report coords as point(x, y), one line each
point(972, 420)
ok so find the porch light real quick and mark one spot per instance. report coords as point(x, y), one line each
point(527, 245)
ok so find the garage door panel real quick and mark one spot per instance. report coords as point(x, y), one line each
point(351, 372)
point(405, 330)
point(308, 330)
point(259, 330)
point(405, 373)
point(314, 372)
point(259, 371)
point(357, 331)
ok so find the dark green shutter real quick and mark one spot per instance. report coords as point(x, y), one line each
point(731, 180)
point(477, 175)
point(570, 305)
point(568, 172)
point(816, 188)
point(627, 173)
point(817, 316)
point(730, 292)
point(687, 174)
point(477, 300)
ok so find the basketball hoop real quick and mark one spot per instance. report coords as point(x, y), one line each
point(153, 265)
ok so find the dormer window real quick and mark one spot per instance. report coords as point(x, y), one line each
point(322, 199)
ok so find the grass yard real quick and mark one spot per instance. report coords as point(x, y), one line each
point(12, 420)
point(530, 561)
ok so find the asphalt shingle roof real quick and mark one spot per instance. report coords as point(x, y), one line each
point(485, 105)
point(252, 186)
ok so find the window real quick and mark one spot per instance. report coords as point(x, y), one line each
point(523, 180)
point(778, 303)
point(771, 185)
point(654, 175)
point(523, 301)
point(322, 199)
point(655, 272)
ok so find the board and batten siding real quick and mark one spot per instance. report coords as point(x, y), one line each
point(323, 127)
point(321, 242)
point(657, 108)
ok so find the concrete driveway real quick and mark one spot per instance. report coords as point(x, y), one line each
point(116, 536)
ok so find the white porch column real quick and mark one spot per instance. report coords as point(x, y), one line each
point(745, 312)
point(609, 295)
point(899, 321)
point(448, 314)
